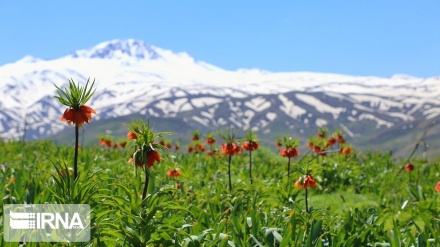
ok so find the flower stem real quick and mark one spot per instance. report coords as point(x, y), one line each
point(250, 165)
point(288, 169)
point(229, 173)
point(307, 205)
point(75, 159)
point(147, 178)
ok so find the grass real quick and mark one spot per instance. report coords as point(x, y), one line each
point(361, 199)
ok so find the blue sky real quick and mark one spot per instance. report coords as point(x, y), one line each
point(365, 37)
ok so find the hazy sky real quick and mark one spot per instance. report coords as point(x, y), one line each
point(363, 37)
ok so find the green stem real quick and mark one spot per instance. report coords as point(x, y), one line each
point(229, 173)
point(75, 159)
point(307, 205)
point(250, 165)
point(288, 169)
point(147, 178)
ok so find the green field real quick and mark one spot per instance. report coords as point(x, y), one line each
point(361, 198)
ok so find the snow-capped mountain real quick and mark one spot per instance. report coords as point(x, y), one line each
point(135, 77)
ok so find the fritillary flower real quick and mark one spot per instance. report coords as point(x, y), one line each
point(173, 173)
point(131, 135)
point(75, 97)
point(437, 187)
point(305, 182)
point(409, 167)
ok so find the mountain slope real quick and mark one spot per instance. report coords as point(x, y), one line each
point(133, 77)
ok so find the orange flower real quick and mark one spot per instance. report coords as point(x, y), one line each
point(278, 144)
point(305, 182)
point(409, 167)
point(250, 146)
point(78, 116)
point(289, 152)
point(189, 149)
point(211, 153)
point(318, 150)
point(122, 144)
point(210, 141)
point(437, 187)
point(177, 147)
point(198, 148)
point(331, 142)
point(173, 173)
point(131, 135)
point(346, 150)
point(229, 149)
point(152, 156)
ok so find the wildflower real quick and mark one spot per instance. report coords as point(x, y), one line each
point(278, 144)
point(189, 149)
point(409, 167)
point(173, 173)
point(345, 150)
point(131, 135)
point(152, 156)
point(305, 182)
point(289, 152)
point(195, 135)
point(75, 98)
point(178, 186)
point(177, 147)
point(210, 141)
point(78, 116)
point(437, 187)
point(250, 145)
point(229, 148)
point(331, 142)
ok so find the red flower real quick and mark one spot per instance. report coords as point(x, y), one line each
point(178, 186)
point(318, 150)
point(250, 146)
point(211, 153)
point(346, 150)
point(78, 116)
point(177, 147)
point(131, 135)
point(409, 167)
point(152, 156)
point(210, 141)
point(437, 187)
point(173, 173)
point(198, 148)
point(289, 152)
point(340, 139)
point(122, 144)
point(229, 149)
point(168, 146)
point(320, 135)
point(331, 142)
point(305, 182)
point(189, 149)
point(278, 144)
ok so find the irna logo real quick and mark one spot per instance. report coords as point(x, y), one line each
point(46, 222)
point(43, 220)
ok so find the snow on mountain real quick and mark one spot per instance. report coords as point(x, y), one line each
point(135, 77)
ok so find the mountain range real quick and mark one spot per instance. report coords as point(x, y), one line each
point(136, 79)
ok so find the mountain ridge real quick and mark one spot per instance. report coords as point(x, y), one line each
point(133, 76)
